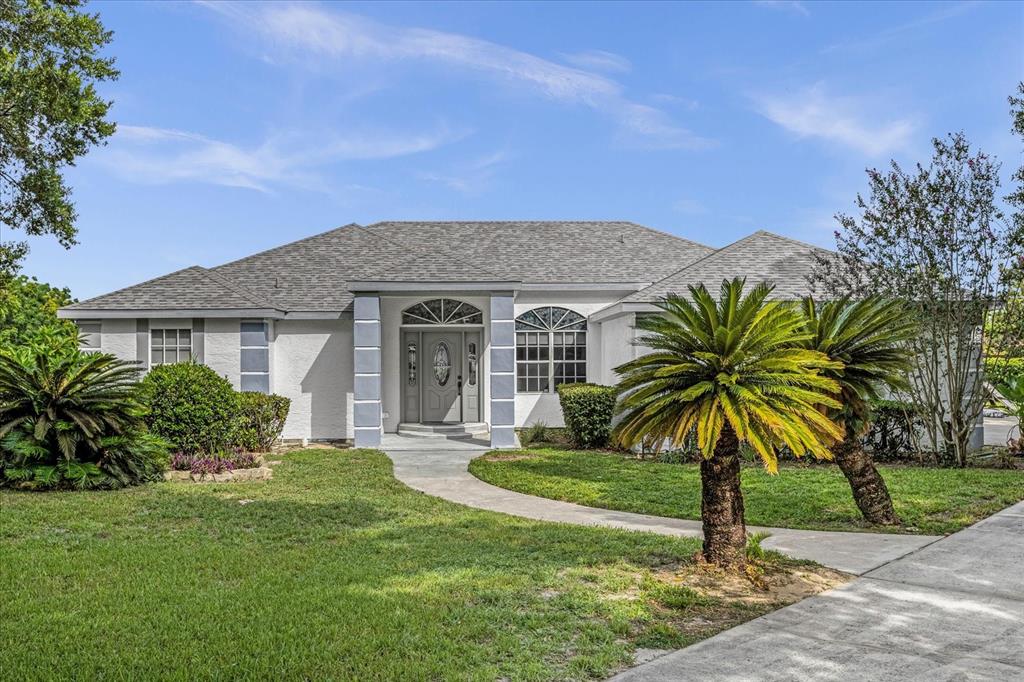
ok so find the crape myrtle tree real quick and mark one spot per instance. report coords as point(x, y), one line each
point(730, 371)
point(1004, 340)
point(934, 238)
point(50, 114)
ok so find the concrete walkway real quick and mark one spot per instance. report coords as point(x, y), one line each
point(953, 610)
point(439, 467)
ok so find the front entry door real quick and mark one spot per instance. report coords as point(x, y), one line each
point(442, 380)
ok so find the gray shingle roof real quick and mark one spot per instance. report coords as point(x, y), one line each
point(312, 274)
point(760, 257)
point(553, 251)
point(191, 288)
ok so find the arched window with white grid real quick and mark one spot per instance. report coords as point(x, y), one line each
point(551, 349)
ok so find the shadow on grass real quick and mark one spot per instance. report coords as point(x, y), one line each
point(331, 569)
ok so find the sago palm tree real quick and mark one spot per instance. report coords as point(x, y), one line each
point(730, 371)
point(867, 338)
point(73, 418)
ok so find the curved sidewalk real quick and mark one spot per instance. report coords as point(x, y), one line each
point(440, 468)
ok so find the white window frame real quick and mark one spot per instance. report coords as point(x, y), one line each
point(177, 346)
point(263, 347)
point(557, 326)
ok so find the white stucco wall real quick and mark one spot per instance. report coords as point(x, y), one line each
point(222, 350)
point(544, 407)
point(617, 347)
point(312, 366)
point(117, 337)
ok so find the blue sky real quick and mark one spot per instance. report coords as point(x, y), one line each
point(246, 126)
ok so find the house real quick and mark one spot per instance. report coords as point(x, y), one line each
point(425, 326)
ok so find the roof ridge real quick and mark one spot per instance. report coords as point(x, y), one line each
point(422, 252)
point(700, 260)
point(282, 246)
point(724, 250)
point(139, 284)
point(669, 234)
point(790, 239)
point(240, 290)
point(687, 267)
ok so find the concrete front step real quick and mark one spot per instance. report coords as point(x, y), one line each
point(458, 431)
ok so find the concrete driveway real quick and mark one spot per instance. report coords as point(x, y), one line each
point(953, 610)
point(997, 430)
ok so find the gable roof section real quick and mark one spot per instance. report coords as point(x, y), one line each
point(312, 274)
point(760, 257)
point(191, 288)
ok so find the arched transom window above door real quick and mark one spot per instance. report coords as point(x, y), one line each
point(551, 349)
point(442, 311)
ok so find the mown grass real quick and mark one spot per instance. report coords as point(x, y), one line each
point(929, 500)
point(332, 570)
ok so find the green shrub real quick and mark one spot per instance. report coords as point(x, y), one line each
point(1001, 370)
point(536, 432)
point(588, 410)
point(894, 427)
point(191, 406)
point(260, 420)
point(70, 419)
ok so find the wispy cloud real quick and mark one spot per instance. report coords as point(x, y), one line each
point(599, 60)
point(313, 32)
point(163, 156)
point(793, 6)
point(840, 119)
point(876, 40)
point(471, 177)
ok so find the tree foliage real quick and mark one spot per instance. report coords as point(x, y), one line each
point(736, 361)
point(50, 114)
point(934, 238)
point(28, 315)
point(867, 339)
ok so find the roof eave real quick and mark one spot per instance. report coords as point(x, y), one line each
point(128, 313)
point(423, 286)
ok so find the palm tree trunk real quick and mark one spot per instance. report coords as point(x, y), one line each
point(721, 504)
point(869, 489)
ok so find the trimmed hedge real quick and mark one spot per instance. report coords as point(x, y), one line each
point(191, 406)
point(260, 420)
point(588, 410)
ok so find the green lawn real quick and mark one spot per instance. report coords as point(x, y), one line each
point(930, 501)
point(333, 570)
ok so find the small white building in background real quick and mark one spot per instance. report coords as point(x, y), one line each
point(420, 325)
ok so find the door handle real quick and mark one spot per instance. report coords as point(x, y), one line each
point(459, 384)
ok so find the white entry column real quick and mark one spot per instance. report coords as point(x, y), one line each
point(503, 371)
point(366, 404)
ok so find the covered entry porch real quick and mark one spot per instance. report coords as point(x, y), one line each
point(434, 359)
